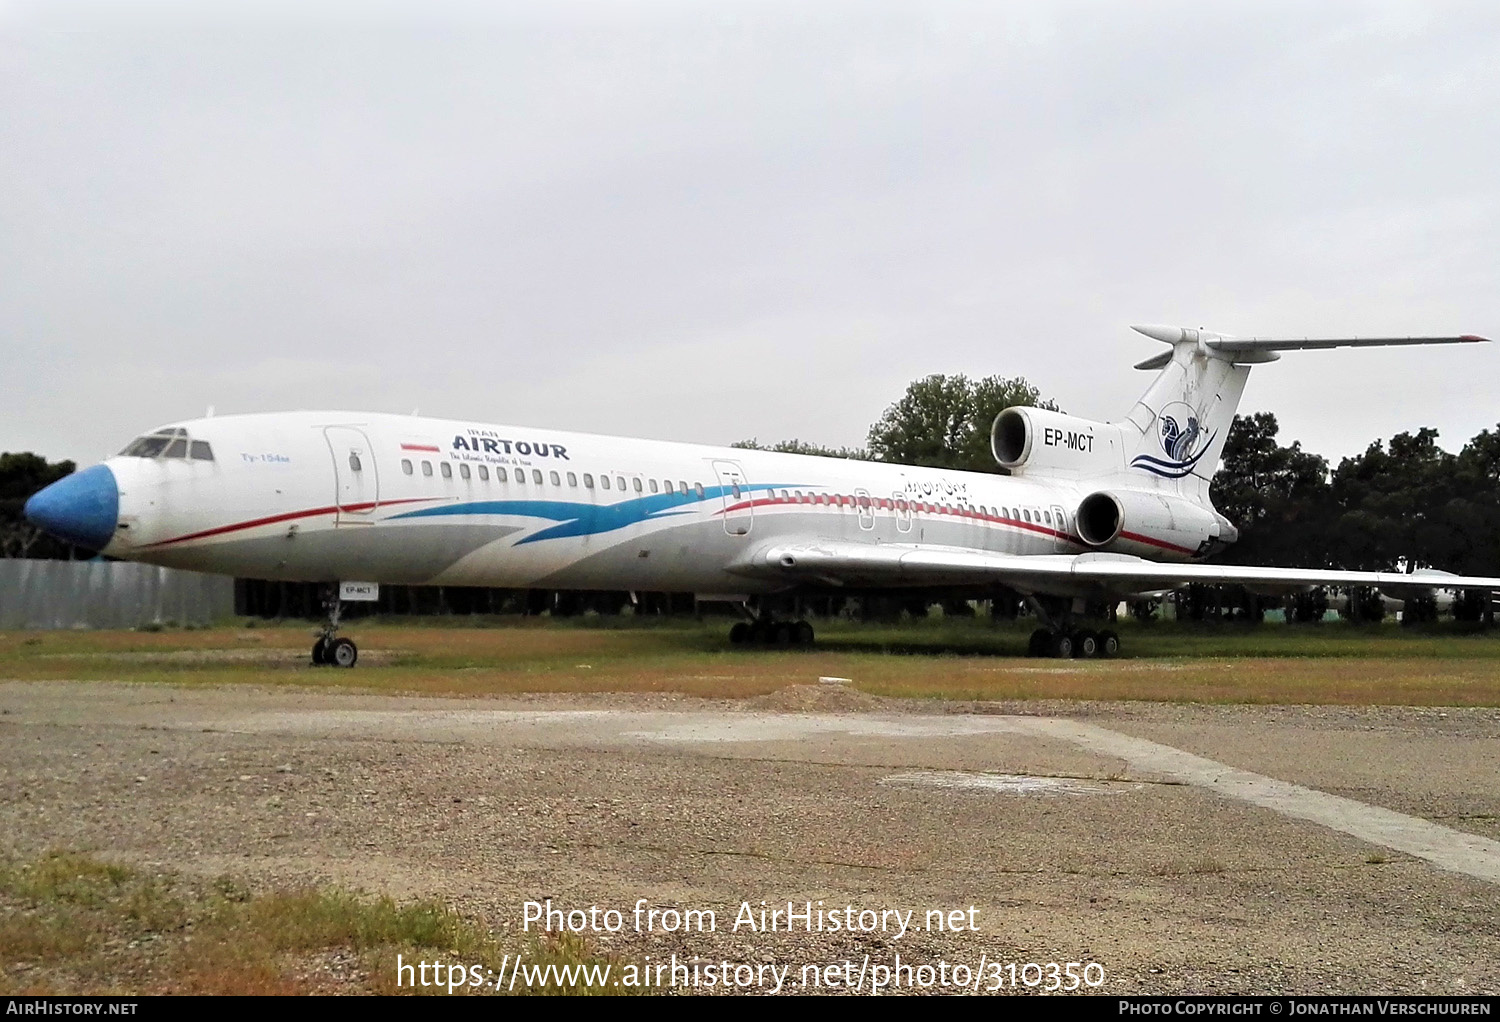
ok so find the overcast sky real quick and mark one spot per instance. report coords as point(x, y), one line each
point(712, 220)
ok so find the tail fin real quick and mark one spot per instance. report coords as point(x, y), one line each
point(1176, 432)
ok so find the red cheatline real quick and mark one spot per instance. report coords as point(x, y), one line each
point(421, 447)
point(289, 516)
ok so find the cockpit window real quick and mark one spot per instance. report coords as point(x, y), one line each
point(146, 446)
point(168, 443)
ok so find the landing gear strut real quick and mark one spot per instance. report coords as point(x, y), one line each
point(1061, 638)
point(330, 650)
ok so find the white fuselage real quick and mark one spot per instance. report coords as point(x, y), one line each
point(329, 496)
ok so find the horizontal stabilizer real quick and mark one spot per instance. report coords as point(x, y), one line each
point(1253, 346)
point(1155, 361)
point(1236, 344)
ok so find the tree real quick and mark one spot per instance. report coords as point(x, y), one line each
point(795, 446)
point(1392, 506)
point(21, 475)
point(944, 421)
point(1273, 494)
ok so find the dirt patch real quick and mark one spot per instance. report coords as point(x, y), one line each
point(276, 657)
point(823, 698)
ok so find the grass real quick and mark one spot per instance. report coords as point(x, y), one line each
point(943, 658)
point(71, 923)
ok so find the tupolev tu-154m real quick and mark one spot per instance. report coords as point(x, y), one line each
point(1091, 512)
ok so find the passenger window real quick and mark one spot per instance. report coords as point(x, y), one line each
point(604, 482)
point(736, 488)
point(620, 482)
point(520, 475)
point(463, 471)
point(484, 473)
point(1048, 516)
point(683, 484)
point(556, 479)
point(406, 466)
point(698, 489)
point(573, 480)
point(653, 485)
point(201, 451)
point(588, 481)
point(446, 469)
point(667, 485)
point(1026, 514)
point(500, 475)
point(354, 465)
point(427, 468)
point(536, 476)
point(637, 483)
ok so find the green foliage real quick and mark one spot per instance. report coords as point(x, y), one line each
point(1274, 495)
point(795, 446)
point(21, 475)
point(1411, 504)
point(944, 421)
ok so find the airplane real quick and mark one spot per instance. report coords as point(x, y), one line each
point(1090, 514)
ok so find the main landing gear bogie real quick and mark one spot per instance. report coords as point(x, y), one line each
point(774, 634)
point(1081, 642)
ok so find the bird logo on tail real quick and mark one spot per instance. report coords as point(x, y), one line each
point(1178, 442)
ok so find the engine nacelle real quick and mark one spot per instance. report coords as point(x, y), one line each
point(1154, 524)
point(1034, 440)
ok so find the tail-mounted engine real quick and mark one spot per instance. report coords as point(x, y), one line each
point(1152, 524)
point(1034, 441)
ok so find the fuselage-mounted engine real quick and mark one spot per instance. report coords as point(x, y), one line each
point(1035, 441)
point(1162, 526)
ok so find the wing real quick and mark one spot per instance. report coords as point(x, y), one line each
point(887, 565)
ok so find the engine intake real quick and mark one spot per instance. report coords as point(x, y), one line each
point(1025, 439)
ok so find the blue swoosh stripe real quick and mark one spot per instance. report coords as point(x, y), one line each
point(1171, 469)
point(579, 519)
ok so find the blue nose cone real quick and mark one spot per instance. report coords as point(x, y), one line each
point(82, 508)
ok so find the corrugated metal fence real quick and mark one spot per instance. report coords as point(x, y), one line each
point(108, 594)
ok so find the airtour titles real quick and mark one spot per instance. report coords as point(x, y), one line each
point(764, 917)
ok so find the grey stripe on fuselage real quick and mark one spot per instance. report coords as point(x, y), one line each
point(400, 556)
point(679, 555)
point(689, 556)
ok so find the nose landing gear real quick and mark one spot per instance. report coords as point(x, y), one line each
point(330, 650)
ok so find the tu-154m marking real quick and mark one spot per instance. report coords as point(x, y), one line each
point(1092, 511)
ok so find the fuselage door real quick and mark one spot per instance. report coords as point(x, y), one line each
point(866, 508)
point(356, 477)
point(902, 506)
point(739, 509)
